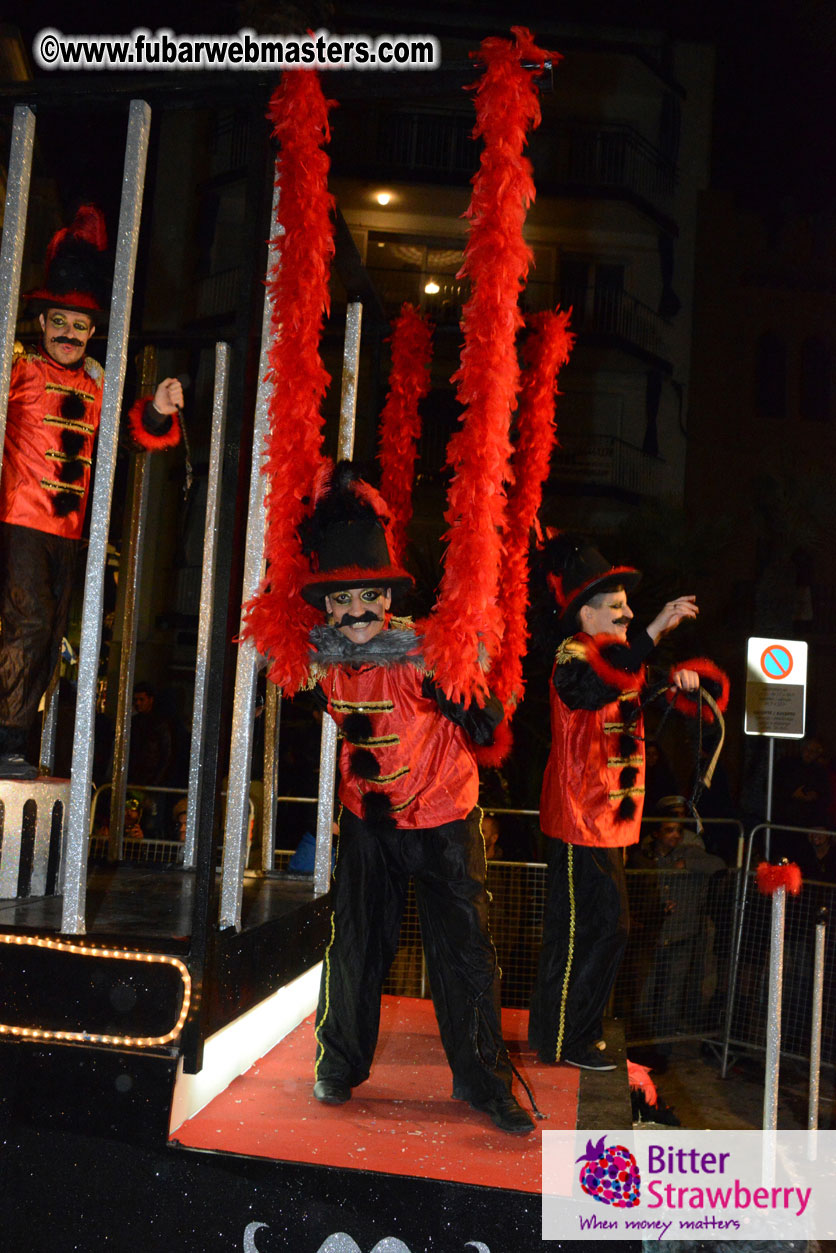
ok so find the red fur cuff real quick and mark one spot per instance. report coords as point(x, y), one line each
point(494, 754)
point(770, 878)
point(712, 678)
point(146, 439)
point(601, 653)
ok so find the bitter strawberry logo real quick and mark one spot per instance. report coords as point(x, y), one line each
point(610, 1175)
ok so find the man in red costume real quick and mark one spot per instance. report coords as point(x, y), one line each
point(55, 398)
point(593, 790)
point(408, 789)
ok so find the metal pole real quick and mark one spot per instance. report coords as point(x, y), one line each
point(770, 773)
point(328, 743)
point(75, 880)
point(739, 911)
point(773, 1013)
point(248, 662)
point(11, 253)
point(207, 599)
point(816, 1023)
point(131, 578)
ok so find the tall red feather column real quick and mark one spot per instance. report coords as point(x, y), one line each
point(544, 353)
point(400, 425)
point(278, 619)
point(464, 630)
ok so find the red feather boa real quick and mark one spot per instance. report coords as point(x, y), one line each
point(277, 618)
point(770, 878)
point(465, 628)
point(686, 702)
point(400, 421)
point(147, 439)
point(624, 680)
point(545, 351)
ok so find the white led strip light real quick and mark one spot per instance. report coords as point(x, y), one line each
point(86, 1037)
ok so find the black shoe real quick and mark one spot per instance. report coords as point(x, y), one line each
point(331, 1091)
point(15, 766)
point(588, 1059)
point(507, 1114)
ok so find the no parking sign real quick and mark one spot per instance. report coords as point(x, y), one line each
point(776, 687)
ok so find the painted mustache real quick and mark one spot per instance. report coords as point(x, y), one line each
point(348, 620)
point(67, 339)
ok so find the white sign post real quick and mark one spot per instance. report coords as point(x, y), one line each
point(776, 688)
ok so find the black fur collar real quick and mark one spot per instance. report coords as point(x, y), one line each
point(392, 647)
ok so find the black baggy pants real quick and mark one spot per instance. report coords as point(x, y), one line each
point(447, 866)
point(586, 923)
point(36, 583)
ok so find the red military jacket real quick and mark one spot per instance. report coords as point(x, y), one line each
point(427, 766)
point(593, 786)
point(35, 452)
point(51, 427)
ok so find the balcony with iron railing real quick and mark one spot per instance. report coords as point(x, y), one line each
point(613, 157)
point(603, 464)
point(615, 318)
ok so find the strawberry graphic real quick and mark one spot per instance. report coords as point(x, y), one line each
point(610, 1175)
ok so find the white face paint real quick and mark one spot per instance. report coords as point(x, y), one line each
point(352, 603)
point(610, 617)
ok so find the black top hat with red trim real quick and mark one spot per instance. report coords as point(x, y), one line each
point(576, 571)
point(346, 538)
point(77, 267)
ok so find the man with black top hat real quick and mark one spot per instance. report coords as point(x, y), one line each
point(593, 789)
point(408, 790)
point(55, 398)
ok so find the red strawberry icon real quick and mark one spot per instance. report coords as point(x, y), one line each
point(610, 1175)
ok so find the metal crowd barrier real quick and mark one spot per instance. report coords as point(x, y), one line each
point(746, 1018)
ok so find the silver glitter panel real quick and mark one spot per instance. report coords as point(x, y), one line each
point(248, 662)
point(328, 743)
point(773, 1014)
point(11, 253)
point(207, 598)
point(75, 879)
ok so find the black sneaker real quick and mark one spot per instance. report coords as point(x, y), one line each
point(588, 1059)
point(507, 1114)
point(332, 1091)
point(15, 766)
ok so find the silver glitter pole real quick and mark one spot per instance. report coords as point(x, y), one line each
point(46, 757)
point(207, 599)
point(773, 1013)
point(816, 1025)
point(75, 849)
point(11, 253)
point(328, 744)
point(272, 721)
point(248, 663)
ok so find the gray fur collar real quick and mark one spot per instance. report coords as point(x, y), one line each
point(329, 647)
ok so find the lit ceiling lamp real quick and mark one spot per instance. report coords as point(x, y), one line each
point(432, 288)
point(383, 197)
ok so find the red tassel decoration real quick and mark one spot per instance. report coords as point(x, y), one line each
point(400, 421)
point(544, 352)
point(278, 619)
point(464, 631)
point(770, 878)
